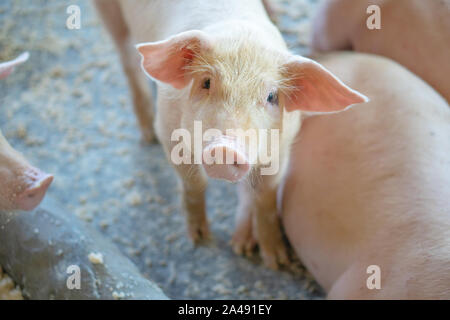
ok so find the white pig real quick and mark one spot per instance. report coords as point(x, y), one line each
point(365, 203)
point(22, 186)
point(415, 33)
point(225, 64)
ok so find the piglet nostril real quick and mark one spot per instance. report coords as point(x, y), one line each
point(226, 160)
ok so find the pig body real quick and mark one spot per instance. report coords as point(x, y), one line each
point(22, 186)
point(370, 187)
point(225, 64)
point(415, 33)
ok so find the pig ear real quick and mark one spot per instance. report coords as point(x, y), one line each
point(313, 88)
point(166, 60)
point(7, 67)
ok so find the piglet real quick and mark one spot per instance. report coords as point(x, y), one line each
point(224, 66)
point(365, 202)
point(22, 186)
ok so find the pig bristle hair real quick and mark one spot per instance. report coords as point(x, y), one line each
point(240, 64)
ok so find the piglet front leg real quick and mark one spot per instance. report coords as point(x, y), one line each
point(244, 240)
point(193, 186)
point(258, 222)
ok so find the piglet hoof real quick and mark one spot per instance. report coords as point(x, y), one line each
point(199, 232)
point(275, 255)
point(243, 243)
point(148, 136)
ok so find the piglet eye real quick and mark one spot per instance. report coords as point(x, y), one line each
point(272, 98)
point(206, 84)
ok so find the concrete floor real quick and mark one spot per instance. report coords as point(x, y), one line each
point(68, 110)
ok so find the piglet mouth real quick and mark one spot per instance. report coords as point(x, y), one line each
point(38, 183)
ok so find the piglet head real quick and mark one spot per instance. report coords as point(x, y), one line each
point(22, 186)
point(231, 84)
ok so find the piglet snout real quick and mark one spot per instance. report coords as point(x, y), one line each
point(37, 184)
point(226, 159)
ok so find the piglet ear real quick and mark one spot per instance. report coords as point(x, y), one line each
point(313, 88)
point(7, 67)
point(166, 60)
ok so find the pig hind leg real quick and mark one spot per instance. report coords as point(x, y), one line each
point(143, 104)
